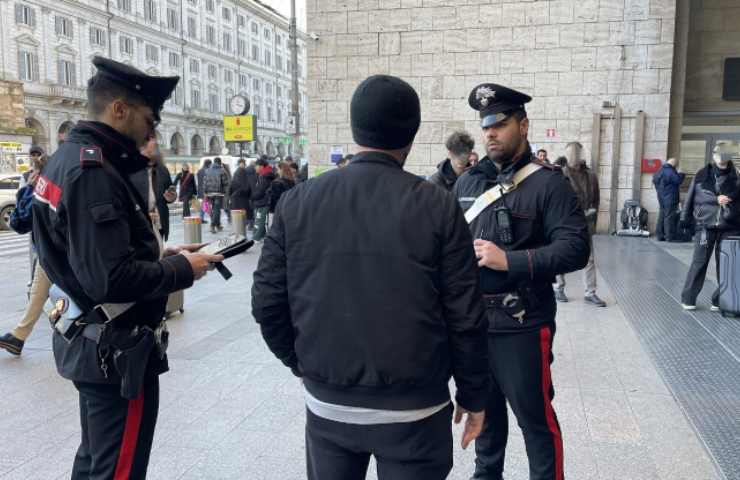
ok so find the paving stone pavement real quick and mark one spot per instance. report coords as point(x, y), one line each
point(229, 410)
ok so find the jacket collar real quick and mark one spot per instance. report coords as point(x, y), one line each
point(376, 157)
point(117, 149)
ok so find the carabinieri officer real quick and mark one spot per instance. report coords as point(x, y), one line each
point(527, 226)
point(110, 275)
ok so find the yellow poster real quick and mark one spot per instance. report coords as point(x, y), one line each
point(239, 128)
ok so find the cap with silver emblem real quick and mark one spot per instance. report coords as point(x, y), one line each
point(496, 102)
point(153, 90)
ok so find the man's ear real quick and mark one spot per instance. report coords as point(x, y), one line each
point(118, 109)
point(524, 127)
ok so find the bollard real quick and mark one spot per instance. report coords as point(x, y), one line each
point(192, 232)
point(239, 222)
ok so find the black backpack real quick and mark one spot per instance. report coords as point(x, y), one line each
point(634, 217)
point(21, 220)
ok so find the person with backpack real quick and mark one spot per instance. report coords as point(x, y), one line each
point(22, 222)
point(667, 181)
point(216, 183)
point(186, 184)
point(284, 182)
point(261, 197)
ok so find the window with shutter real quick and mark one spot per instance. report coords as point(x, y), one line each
point(242, 48)
point(173, 22)
point(24, 72)
point(25, 15)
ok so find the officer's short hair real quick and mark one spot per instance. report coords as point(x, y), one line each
point(542, 150)
point(460, 143)
point(217, 160)
point(207, 162)
point(262, 162)
point(101, 92)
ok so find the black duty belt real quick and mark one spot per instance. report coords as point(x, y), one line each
point(89, 325)
point(510, 303)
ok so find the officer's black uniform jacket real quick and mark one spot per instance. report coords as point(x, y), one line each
point(550, 236)
point(96, 242)
point(367, 288)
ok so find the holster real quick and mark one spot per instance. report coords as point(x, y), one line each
point(131, 362)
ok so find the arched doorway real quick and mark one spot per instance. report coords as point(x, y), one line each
point(270, 149)
point(64, 129)
point(39, 136)
point(214, 146)
point(196, 145)
point(258, 147)
point(177, 144)
point(281, 150)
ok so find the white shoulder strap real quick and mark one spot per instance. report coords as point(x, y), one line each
point(491, 195)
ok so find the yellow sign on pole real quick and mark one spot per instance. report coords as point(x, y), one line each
point(239, 128)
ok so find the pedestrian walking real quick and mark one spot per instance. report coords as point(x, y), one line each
point(201, 178)
point(216, 182)
point(667, 182)
point(586, 185)
point(528, 228)
point(713, 200)
point(155, 186)
point(459, 147)
point(284, 182)
point(110, 277)
point(187, 189)
point(376, 360)
point(261, 197)
point(14, 340)
point(240, 188)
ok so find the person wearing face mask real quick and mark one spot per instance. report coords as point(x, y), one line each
point(713, 200)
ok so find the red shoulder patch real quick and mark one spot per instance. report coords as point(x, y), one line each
point(47, 192)
point(91, 156)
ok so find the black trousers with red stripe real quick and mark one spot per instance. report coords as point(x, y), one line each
point(116, 433)
point(520, 370)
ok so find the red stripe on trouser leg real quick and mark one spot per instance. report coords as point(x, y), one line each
point(552, 424)
point(130, 438)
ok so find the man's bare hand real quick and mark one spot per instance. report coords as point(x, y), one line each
point(175, 249)
point(724, 200)
point(490, 255)
point(201, 263)
point(473, 424)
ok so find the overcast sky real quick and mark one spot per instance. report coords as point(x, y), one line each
point(283, 6)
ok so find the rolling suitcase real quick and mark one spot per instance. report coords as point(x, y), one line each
point(729, 276)
point(175, 304)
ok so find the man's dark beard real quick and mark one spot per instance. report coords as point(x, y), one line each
point(505, 157)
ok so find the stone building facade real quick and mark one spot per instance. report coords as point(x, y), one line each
point(219, 48)
point(600, 73)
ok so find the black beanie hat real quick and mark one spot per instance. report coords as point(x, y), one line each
point(385, 113)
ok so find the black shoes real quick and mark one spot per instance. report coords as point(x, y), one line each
point(12, 344)
point(594, 300)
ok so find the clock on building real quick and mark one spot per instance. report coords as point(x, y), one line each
point(239, 105)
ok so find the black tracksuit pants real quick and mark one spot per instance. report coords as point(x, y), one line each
point(116, 433)
point(520, 370)
point(403, 451)
point(705, 242)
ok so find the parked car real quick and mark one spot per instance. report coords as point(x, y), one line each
point(9, 185)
